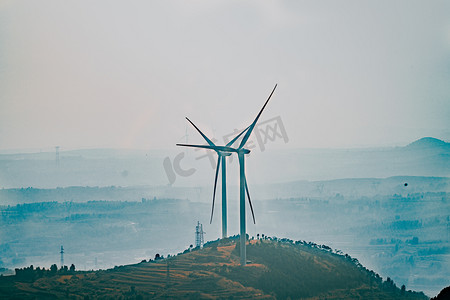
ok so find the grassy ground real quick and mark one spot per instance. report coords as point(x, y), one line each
point(276, 270)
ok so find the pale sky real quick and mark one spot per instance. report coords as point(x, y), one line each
point(124, 74)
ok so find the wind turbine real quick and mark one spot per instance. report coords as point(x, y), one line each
point(221, 159)
point(241, 152)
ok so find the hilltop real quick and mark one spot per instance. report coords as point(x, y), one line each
point(428, 142)
point(277, 269)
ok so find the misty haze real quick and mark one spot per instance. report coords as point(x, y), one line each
point(314, 161)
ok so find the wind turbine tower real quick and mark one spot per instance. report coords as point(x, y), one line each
point(62, 256)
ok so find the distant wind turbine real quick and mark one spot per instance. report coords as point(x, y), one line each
point(241, 151)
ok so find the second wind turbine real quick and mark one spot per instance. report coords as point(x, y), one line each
point(241, 152)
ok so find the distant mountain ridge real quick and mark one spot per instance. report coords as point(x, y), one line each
point(348, 187)
point(428, 142)
point(118, 167)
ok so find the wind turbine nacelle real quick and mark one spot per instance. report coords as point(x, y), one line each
point(245, 151)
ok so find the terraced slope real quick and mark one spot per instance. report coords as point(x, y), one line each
point(276, 270)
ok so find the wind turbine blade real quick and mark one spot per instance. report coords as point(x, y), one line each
point(198, 146)
point(249, 131)
point(236, 137)
point(250, 201)
point(215, 184)
point(215, 148)
point(204, 136)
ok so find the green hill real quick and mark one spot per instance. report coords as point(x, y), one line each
point(277, 269)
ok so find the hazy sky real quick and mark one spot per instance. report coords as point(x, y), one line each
point(84, 74)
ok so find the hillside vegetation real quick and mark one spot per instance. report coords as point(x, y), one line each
point(277, 269)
